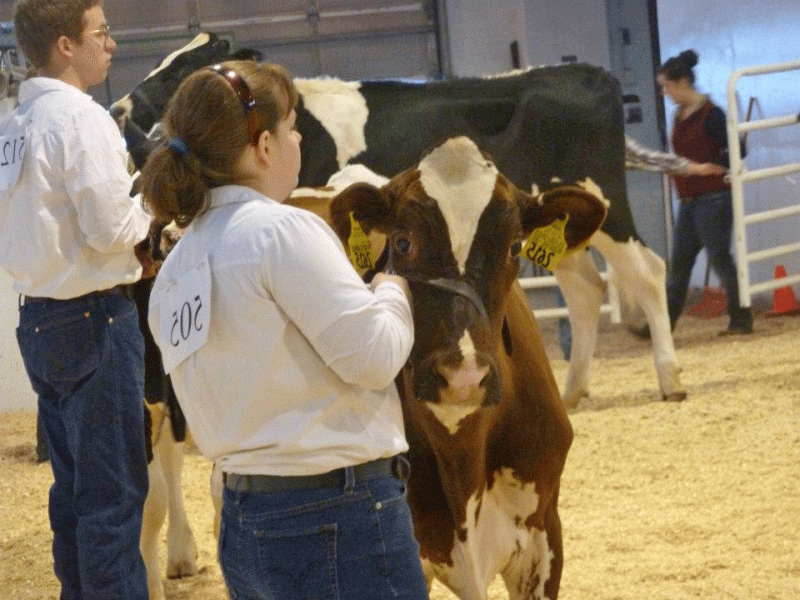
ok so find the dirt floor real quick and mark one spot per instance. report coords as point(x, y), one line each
point(659, 501)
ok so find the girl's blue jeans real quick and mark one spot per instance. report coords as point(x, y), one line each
point(353, 542)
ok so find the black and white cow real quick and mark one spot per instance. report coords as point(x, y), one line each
point(541, 126)
point(165, 427)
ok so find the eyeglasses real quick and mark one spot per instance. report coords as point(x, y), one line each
point(103, 32)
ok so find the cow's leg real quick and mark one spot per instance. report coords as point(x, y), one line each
point(535, 573)
point(181, 547)
point(216, 497)
point(155, 509)
point(583, 291)
point(641, 274)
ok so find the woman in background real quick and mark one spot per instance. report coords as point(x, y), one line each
point(705, 216)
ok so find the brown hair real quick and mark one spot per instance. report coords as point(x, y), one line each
point(208, 116)
point(678, 67)
point(39, 23)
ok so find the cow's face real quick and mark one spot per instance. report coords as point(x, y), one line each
point(454, 228)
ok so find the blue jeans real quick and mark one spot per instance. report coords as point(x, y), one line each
point(353, 542)
point(85, 361)
point(705, 222)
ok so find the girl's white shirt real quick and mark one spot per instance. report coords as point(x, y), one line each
point(297, 375)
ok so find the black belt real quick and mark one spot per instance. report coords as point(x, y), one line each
point(117, 289)
point(396, 466)
point(715, 195)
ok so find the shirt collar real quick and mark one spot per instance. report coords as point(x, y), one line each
point(32, 88)
point(233, 194)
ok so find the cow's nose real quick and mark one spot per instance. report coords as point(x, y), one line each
point(465, 383)
point(465, 374)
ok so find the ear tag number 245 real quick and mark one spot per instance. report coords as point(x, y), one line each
point(185, 315)
point(360, 247)
point(546, 246)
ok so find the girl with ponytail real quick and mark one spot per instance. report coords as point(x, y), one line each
point(282, 359)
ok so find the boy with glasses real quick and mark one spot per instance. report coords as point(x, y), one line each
point(68, 227)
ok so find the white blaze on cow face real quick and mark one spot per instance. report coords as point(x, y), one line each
point(170, 235)
point(123, 107)
point(342, 111)
point(461, 181)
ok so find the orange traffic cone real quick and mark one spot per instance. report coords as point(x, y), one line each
point(784, 302)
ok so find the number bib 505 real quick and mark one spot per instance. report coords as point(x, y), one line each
point(185, 315)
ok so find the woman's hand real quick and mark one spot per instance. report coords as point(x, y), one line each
point(382, 277)
point(706, 169)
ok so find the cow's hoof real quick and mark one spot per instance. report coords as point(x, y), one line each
point(674, 397)
point(643, 333)
point(181, 569)
point(574, 399)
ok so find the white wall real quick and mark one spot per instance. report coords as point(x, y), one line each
point(481, 31)
point(15, 388)
point(480, 35)
point(560, 28)
point(729, 35)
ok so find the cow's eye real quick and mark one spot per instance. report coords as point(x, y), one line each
point(402, 244)
point(515, 249)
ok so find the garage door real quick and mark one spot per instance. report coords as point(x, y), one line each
point(350, 39)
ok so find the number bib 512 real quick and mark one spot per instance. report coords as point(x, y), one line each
point(13, 135)
point(185, 315)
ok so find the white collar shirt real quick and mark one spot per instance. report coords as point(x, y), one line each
point(68, 225)
point(297, 374)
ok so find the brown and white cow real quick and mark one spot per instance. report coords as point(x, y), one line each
point(487, 430)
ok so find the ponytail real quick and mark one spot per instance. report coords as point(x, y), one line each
point(172, 187)
point(208, 129)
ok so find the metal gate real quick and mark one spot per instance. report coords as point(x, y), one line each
point(739, 176)
point(540, 279)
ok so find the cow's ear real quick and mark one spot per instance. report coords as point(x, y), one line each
point(586, 212)
point(369, 205)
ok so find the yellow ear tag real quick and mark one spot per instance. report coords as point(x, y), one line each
point(546, 246)
point(360, 248)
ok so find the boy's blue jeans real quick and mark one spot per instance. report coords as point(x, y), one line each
point(353, 542)
point(85, 360)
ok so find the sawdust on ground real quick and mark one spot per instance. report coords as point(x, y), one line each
point(661, 501)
